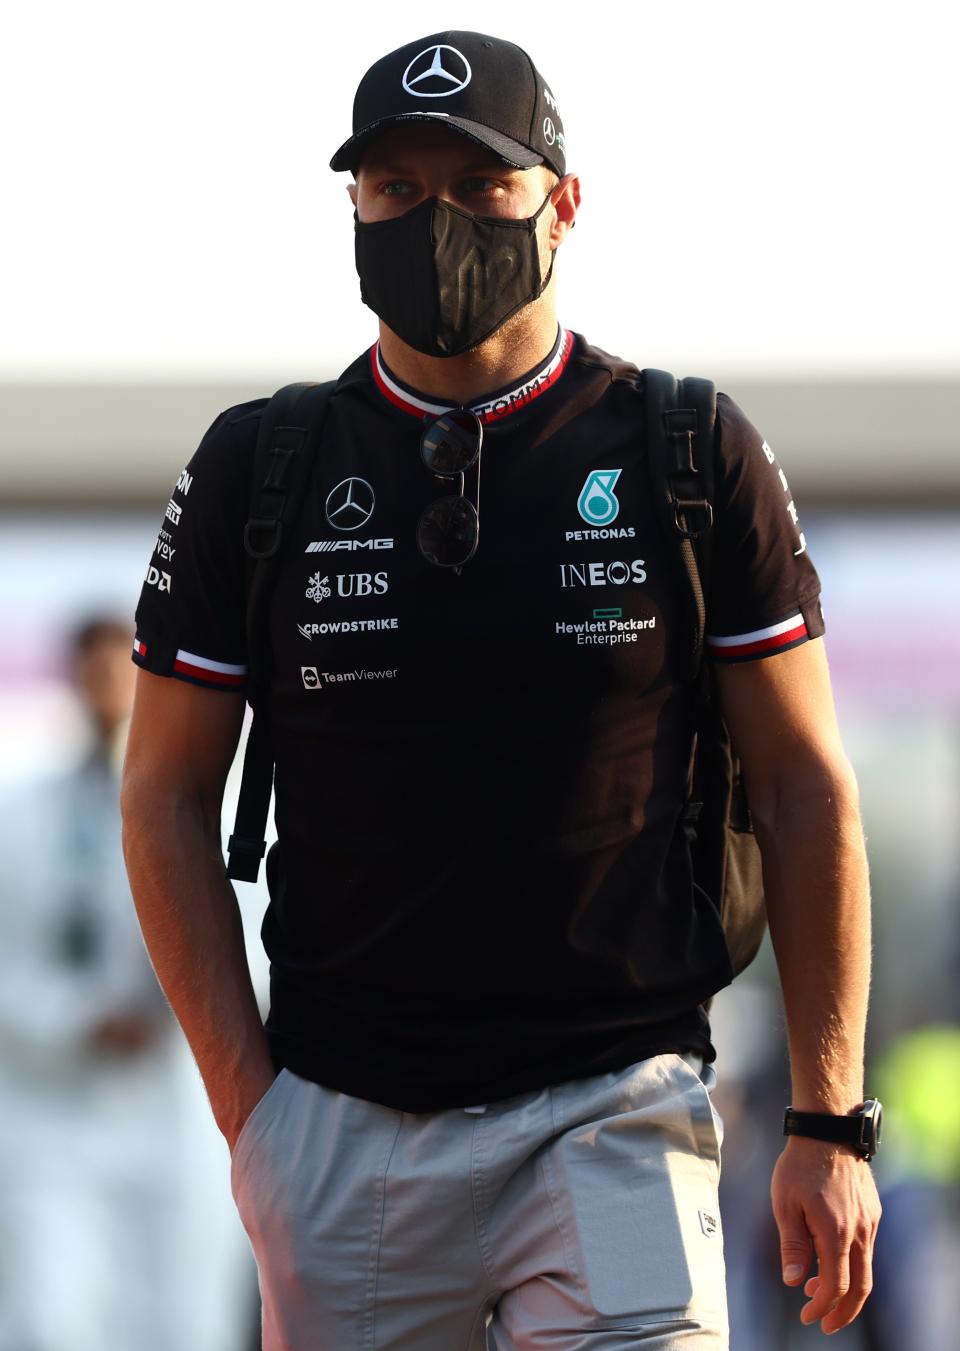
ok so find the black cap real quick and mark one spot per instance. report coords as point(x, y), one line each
point(486, 89)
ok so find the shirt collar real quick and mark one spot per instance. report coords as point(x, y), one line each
point(492, 407)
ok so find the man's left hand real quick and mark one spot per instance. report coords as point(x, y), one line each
point(826, 1206)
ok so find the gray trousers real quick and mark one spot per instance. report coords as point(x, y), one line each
point(579, 1216)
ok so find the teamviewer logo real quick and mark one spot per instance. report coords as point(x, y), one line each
point(311, 678)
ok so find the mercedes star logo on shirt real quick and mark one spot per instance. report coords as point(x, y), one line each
point(432, 76)
point(350, 504)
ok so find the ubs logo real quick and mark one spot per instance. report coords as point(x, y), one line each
point(348, 584)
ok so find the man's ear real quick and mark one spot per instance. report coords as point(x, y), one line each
point(565, 199)
point(352, 190)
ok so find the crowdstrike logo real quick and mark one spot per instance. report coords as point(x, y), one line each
point(350, 504)
point(433, 76)
point(335, 626)
point(597, 503)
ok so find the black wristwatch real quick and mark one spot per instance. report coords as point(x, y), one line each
point(861, 1128)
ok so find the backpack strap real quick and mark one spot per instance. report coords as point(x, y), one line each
point(679, 422)
point(290, 430)
point(681, 426)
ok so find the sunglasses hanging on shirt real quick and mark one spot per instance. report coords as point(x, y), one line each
point(449, 528)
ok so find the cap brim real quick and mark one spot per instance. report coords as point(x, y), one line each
point(510, 151)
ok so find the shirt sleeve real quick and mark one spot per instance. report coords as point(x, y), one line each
point(191, 617)
point(764, 588)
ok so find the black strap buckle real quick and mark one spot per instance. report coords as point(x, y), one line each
point(681, 426)
point(238, 845)
point(243, 859)
point(693, 517)
point(261, 538)
point(690, 818)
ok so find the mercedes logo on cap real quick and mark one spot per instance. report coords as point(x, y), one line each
point(350, 504)
point(437, 72)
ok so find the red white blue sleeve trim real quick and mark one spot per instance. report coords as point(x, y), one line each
point(216, 675)
point(760, 642)
point(219, 674)
point(489, 409)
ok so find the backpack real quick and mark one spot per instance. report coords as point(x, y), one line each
point(679, 426)
point(680, 418)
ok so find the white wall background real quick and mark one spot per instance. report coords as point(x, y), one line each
point(765, 186)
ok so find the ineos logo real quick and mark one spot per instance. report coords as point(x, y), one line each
point(428, 68)
point(615, 573)
point(350, 504)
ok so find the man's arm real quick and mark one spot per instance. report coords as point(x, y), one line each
point(181, 745)
point(804, 801)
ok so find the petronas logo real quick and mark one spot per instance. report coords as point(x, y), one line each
point(597, 503)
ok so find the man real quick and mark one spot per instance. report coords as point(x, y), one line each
point(89, 1163)
point(461, 1127)
point(115, 1229)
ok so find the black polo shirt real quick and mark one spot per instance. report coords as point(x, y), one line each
point(466, 763)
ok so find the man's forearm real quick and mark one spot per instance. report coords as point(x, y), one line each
point(193, 933)
point(817, 892)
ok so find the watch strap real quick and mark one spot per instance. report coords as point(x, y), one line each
point(860, 1130)
point(842, 1130)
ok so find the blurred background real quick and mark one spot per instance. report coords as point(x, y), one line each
point(767, 201)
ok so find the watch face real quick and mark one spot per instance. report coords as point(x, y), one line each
point(876, 1116)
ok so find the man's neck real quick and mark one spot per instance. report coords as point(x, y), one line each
point(522, 342)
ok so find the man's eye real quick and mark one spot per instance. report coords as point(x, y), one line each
point(395, 187)
point(480, 185)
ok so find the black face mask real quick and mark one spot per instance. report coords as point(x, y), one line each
point(444, 279)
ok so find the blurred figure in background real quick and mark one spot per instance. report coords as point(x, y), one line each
point(747, 1019)
point(918, 1246)
point(90, 1161)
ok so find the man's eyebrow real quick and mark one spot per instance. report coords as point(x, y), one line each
point(399, 166)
